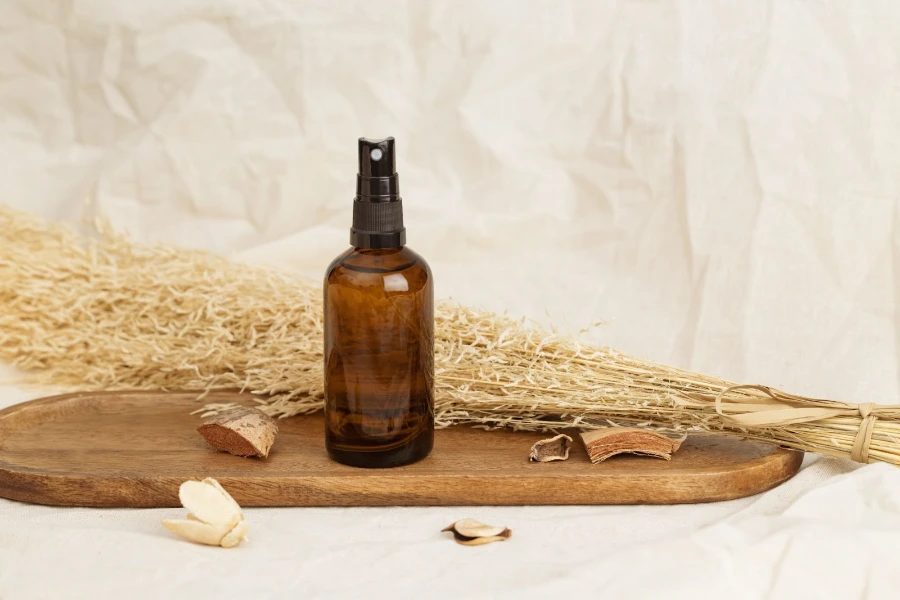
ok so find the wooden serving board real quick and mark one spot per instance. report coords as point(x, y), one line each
point(133, 449)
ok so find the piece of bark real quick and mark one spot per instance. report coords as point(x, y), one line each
point(555, 448)
point(241, 431)
point(603, 443)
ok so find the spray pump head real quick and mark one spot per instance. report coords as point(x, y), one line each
point(377, 208)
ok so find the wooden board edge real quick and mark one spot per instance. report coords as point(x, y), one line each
point(324, 491)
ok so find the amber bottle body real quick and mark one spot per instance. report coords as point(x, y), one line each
point(379, 358)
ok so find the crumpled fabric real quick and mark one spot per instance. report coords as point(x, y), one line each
point(718, 183)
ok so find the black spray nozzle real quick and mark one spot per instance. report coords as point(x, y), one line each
point(376, 157)
point(377, 178)
point(378, 209)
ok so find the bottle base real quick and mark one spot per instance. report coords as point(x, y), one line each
point(384, 459)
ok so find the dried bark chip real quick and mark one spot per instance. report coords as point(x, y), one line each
point(604, 443)
point(555, 448)
point(241, 431)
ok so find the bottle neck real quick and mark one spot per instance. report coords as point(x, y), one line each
point(379, 249)
point(377, 224)
point(368, 240)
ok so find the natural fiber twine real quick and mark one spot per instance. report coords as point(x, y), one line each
point(787, 409)
point(102, 312)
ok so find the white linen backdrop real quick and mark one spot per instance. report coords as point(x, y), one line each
point(716, 181)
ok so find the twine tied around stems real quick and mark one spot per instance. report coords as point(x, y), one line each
point(860, 451)
point(777, 409)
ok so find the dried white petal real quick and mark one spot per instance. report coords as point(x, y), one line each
point(214, 518)
point(480, 541)
point(236, 535)
point(470, 532)
point(217, 485)
point(196, 531)
point(473, 528)
point(209, 503)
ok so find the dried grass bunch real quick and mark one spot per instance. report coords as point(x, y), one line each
point(103, 312)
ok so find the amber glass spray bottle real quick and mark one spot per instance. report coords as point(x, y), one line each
point(379, 329)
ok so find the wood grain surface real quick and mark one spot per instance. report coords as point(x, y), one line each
point(133, 449)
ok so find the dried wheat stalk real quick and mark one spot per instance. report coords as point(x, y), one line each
point(109, 313)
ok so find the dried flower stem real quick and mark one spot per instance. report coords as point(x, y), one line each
point(110, 313)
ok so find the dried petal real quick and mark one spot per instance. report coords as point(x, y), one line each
point(480, 541)
point(555, 448)
point(470, 532)
point(236, 535)
point(210, 503)
point(196, 531)
point(213, 482)
point(214, 519)
point(473, 528)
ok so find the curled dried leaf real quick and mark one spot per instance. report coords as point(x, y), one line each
point(214, 519)
point(470, 532)
point(555, 448)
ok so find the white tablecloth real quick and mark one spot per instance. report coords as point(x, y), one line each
point(830, 532)
point(717, 181)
